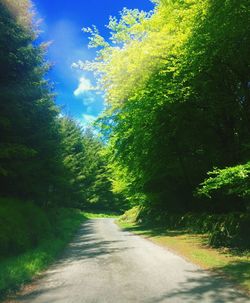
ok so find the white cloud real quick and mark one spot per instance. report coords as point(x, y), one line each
point(84, 86)
point(86, 93)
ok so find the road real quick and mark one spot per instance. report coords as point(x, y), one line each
point(105, 264)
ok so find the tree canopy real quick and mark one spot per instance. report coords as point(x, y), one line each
point(176, 81)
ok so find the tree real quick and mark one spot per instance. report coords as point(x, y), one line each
point(176, 84)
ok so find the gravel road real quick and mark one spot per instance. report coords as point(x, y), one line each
point(107, 265)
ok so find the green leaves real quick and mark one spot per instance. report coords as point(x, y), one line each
point(232, 180)
point(29, 139)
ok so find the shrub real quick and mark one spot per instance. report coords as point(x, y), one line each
point(22, 226)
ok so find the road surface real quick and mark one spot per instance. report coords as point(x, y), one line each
point(107, 265)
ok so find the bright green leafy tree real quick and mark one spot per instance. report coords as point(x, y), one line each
point(177, 86)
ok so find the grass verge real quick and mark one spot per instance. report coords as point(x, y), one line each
point(17, 270)
point(233, 264)
point(97, 215)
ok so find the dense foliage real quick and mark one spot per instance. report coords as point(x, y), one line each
point(84, 158)
point(29, 132)
point(25, 226)
point(232, 180)
point(177, 86)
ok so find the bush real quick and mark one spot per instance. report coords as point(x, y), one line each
point(22, 226)
point(131, 215)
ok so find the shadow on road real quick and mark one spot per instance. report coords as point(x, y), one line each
point(238, 270)
point(206, 288)
point(87, 245)
point(196, 286)
point(84, 246)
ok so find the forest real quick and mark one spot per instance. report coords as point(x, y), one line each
point(173, 140)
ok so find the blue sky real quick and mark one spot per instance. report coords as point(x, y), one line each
point(62, 24)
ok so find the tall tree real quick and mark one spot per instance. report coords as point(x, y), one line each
point(29, 131)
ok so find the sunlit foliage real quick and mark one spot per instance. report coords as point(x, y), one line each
point(176, 82)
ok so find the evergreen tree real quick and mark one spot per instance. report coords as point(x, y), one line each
point(29, 131)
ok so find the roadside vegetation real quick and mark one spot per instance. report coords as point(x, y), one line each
point(101, 214)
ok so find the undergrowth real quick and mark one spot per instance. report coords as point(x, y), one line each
point(31, 238)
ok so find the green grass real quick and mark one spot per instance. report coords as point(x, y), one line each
point(96, 215)
point(17, 270)
point(233, 264)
